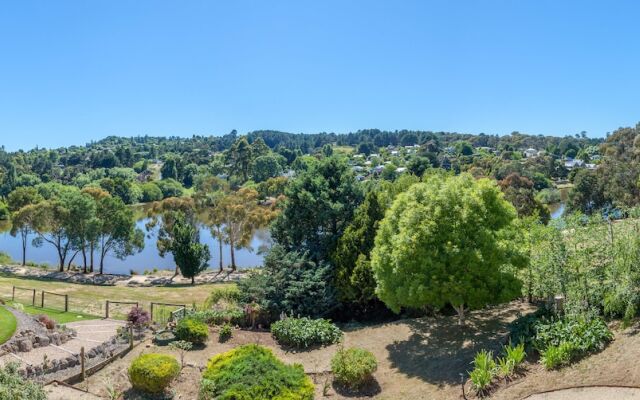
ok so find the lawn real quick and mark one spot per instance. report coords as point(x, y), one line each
point(7, 324)
point(90, 299)
point(60, 317)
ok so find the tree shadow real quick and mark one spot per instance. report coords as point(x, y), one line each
point(439, 351)
point(370, 389)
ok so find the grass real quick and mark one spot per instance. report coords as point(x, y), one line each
point(90, 299)
point(8, 324)
point(60, 317)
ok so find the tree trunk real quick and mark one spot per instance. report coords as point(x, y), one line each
point(91, 249)
point(24, 247)
point(233, 260)
point(84, 260)
point(220, 246)
point(193, 280)
point(460, 311)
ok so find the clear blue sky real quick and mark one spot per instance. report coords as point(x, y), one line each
point(72, 71)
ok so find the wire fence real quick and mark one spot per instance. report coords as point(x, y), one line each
point(35, 300)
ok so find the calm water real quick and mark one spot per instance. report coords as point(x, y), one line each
point(148, 259)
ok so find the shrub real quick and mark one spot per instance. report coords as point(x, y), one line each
point(153, 373)
point(138, 317)
point(484, 370)
point(192, 331)
point(557, 356)
point(353, 367)
point(234, 316)
point(225, 332)
point(290, 283)
point(47, 322)
point(253, 372)
point(305, 332)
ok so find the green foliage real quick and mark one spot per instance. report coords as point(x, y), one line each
point(153, 373)
point(305, 332)
point(151, 192)
point(319, 204)
point(353, 367)
point(267, 166)
point(548, 196)
point(227, 294)
point(225, 332)
point(585, 334)
point(557, 356)
point(253, 372)
point(484, 370)
point(232, 315)
point(512, 359)
point(191, 256)
point(443, 242)
point(354, 277)
point(192, 330)
point(290, 283)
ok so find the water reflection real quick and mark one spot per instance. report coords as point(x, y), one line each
point(149, 258)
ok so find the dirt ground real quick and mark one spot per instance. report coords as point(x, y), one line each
point(418, 358)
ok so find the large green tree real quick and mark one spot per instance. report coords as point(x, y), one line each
point(319, 205)
point(442, 243)
point(353, 274)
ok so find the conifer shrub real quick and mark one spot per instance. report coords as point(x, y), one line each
point(253, 372)
point(153, 373)
point(192, 331)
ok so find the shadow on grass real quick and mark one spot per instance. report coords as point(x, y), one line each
point(439, 350)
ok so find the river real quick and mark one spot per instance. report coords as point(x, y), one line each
point(148, 258)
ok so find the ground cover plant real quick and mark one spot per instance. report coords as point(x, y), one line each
point(253, 372)
point(153, 373)
point(305, 332)
point(14, 387)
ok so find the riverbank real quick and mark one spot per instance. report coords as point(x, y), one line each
point(160, 278)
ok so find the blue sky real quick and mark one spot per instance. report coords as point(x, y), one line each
point(73, 71)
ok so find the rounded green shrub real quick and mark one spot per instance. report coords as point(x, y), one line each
point(305, 332)
point(353, 367)
point(153, 373)
point(253, 372)
point(192, 330)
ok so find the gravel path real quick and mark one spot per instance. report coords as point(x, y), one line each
point(590, 393)
point(90, 334)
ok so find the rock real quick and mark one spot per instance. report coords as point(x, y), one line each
point(42, 341)
point(25, 345)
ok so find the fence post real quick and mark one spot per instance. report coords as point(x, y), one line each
point(13, 294)
point(151, 311)
point(82, 369)
point(66, 303)
point(131, 337)
point(33, 301)
point(42, 300)
point(106, 312)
